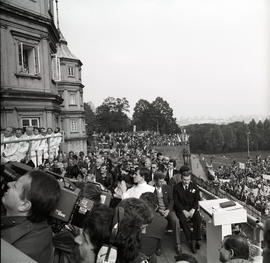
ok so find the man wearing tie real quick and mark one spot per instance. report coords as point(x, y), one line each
point(186, 198)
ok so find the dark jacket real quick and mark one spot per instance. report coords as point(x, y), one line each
point(167, 196)
point(185, 199)
point(154, 233)
point(106, 181)
point(167, 177)
point(33, 239)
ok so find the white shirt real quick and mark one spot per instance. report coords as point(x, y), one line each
point(137, 190)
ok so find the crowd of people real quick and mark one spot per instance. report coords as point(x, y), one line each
point(30, 145)
point(248, 182)
point(145, 139)
point(141, 180)
point(148, 196)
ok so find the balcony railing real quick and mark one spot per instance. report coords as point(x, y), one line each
point(28, 154)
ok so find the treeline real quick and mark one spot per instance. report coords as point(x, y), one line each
point(233, 137)
point(111, 116)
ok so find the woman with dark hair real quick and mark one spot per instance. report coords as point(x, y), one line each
point(137, 215)
point(151, 239)
point(266, 240)
point(96, 232)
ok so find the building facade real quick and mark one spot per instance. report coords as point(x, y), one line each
point(30, 94)
point(67, 75)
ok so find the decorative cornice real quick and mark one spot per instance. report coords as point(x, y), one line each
point(68, 112)
point(64, 59)
point(22, 75)
point(67, 83)
point(32, 17)
point(29, 95)
point(34, 37)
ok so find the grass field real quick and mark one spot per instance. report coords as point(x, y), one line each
point(174, 152)
point(227, 159)
point(218, 159)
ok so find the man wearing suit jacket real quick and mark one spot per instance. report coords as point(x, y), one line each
point(165, 206)
point(171, 172)
point(186, 198)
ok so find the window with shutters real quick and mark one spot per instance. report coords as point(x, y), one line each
point(28, 59)
point(56, 72)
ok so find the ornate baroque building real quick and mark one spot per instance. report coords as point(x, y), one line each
point(70, 88)
point(40, 78)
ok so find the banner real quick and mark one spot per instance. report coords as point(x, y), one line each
point(266, 177)
point(242, 165)
point(224, 180)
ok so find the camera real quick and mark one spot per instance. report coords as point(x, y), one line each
point(71, 208)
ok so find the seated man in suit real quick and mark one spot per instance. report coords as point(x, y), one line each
point(186, 198)
point(29, 202)
point(171, 172)
point(165, 206)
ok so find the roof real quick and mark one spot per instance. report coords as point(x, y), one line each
point(63, 50)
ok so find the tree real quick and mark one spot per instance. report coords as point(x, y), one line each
point(155, 116)
point(111, 115)
point(90, 119)
point(230, 141)
point(260, 135)
point(117, 104)
point(252, 126)
point(143, 116)
point(214, 139)
point(163, 116)
point(266, 132)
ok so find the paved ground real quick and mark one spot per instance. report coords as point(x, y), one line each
point(168, 252)
point(168, 243)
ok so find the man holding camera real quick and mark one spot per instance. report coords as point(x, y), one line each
point(29, 201)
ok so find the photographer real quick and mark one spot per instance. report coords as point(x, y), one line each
point(29, 201)
point(63, 240)
point(137, 215)
point(96, 231)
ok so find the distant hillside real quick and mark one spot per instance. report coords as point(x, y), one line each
point(220, 120)
point(232, 137)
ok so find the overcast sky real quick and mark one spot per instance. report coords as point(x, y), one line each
point(205, 57)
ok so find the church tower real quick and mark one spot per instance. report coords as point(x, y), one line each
point(67, 75)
